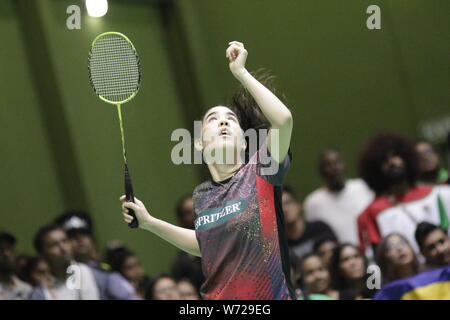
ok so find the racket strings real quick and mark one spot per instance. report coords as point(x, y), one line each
point(114, 68)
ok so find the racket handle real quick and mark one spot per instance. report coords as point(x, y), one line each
point(130, 198)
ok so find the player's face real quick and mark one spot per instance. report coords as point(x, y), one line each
point(399, 252)
point(436, 248)
point(351, 263)
point(316, 276)
point(221, 132)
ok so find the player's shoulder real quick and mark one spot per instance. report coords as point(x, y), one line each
point(202, 190)
point(205, 185)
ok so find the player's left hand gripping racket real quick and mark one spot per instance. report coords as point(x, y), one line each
point(115, 75)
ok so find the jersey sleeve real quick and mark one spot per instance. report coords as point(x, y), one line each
point(268, 168)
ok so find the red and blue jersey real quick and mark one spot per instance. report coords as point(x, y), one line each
point(240, 230)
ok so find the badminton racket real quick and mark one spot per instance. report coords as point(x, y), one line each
point(115, 76)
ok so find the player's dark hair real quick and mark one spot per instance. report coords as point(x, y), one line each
point(245, 107)
point(375, 153)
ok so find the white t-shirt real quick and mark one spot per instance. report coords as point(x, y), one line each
point(340, 210)
point(80, 285)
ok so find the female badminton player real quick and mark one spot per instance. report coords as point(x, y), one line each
point(239, 229)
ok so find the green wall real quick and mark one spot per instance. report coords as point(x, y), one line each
point(61, 145)
point(342, 81)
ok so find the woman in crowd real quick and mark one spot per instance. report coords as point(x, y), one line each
point(396, 258)
point(162, 287)
point(187, 290)
point(129, 266)
point(348, 269)
point(324, 247)
point(315, 278)
point(36, 272)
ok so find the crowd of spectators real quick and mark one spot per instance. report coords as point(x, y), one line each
point(393, 218)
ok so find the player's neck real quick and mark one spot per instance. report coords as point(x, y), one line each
point(220, 172)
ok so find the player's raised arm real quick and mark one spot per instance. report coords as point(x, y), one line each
point(182, 238)
point(273, 109)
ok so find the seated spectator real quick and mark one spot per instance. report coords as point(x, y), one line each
point(111, 285)
point(315, 277)
point(78, 227)
point(36, 272)
point(430, 170)
point(389, 165)
point(184, 264)
point(11, 287)
point(69, 280)
point(143, 285)
point(163, 287)
point(187, 290)
point(339, 202)
point(125, 262)
point(348, 270)
point(324, 247)
point(300, 233)
point(21, 261)
point(434, 245)
point(396, 258)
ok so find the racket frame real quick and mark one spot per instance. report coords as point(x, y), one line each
point(137, 56)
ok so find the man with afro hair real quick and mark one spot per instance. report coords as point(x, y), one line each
point(389, 165)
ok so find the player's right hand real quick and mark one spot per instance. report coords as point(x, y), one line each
point(140, 211)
